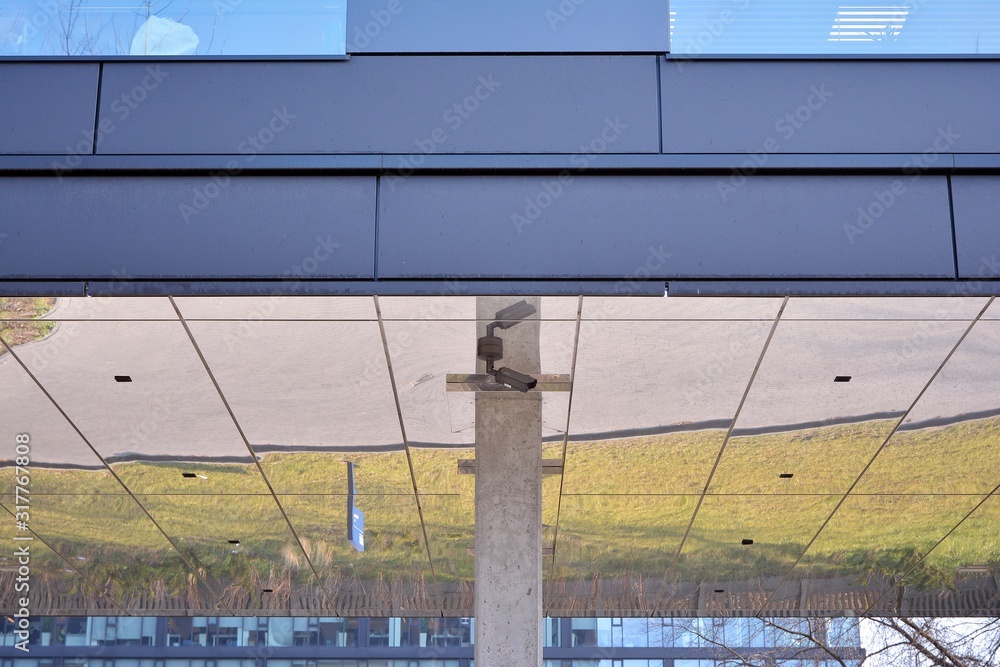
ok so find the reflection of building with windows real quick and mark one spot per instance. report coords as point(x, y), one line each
point(761, 288)
point(425, 642)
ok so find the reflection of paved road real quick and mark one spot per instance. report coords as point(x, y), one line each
point(325, 383)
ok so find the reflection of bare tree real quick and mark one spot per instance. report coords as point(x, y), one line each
point(935, 641)
point(69, 16)
point(809, 641)
point(919, 642)
point(76, 28)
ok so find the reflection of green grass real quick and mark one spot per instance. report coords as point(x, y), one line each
point(613, 534)
point(25, 309)
point(902, 510)
point(676, 463)
point(326, 472)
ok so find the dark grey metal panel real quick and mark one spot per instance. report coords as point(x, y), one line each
point(384, 104)
point(133, 228)
point(977, 225)
point(513, 26)
point(324, 288)
point(979, 161)
point(665, 227)
point(960, 288)
point(464, 163)
point(805, 106)
point(48, 107)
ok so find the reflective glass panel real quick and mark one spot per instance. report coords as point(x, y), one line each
point(165, 28)
point(872, 541)
point(112, 541)
point(833, 27)
point(737, 542)
point(606, 540)
point(242, 544)
point(60, 460)
point(962, 559)
point(394, 565)
point(948, 443)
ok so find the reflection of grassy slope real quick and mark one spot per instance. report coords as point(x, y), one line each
point(677, 463)
point(24, 308)
point(610, 534)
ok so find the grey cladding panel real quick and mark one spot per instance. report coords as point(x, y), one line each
point(830, 107)
point(664, 227)
point(513, 26)
point(48, 107)
point(376, 104)
point(977, 225)
point(139, 228)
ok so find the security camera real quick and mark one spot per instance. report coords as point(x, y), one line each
point(511, 315)
point(523, 383)
point(490, 350)
point(490, 347)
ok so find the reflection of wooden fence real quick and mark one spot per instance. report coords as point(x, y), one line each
point(628, 596)
point(810, 597)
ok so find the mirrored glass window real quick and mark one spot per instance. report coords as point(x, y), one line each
point(699, 27)
point(173, 28)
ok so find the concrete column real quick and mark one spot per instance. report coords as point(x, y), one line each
point(508, 547)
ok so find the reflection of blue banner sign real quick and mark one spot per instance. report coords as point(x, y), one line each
point(355, 517)
point(358, 529)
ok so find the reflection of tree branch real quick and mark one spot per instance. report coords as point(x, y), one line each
point(692, 628)
point(9, 37)
point(913, 642)
point(215, 23)
point(67, 23)
point(956, 660)
point(759, 658)
point(941, 642)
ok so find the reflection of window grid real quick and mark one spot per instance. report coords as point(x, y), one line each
point(868, 24)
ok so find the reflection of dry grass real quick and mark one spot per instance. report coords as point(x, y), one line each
point(19, 323)
point(627, 538)
point(292, 557)
point(320, 552)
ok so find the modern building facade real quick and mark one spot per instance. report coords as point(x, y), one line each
point(753, 249)
point(423, 642)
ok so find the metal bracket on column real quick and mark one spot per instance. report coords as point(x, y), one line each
point(482, 382)
point(549, 466)
point(547, 549)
